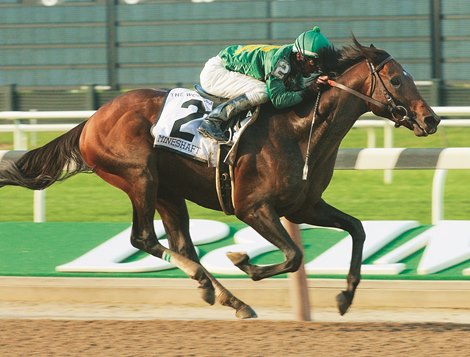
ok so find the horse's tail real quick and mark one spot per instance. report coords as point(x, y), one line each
point(40, 168)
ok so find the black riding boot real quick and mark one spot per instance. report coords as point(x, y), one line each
point(211, 126)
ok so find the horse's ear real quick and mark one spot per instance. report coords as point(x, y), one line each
point(359, 46)
point(356, 42)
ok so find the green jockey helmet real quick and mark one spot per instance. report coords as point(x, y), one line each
point(310, 42)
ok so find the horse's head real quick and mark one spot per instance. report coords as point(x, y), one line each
point(394, 87)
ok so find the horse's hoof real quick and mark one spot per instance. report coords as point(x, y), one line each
point(245, 312)
point(208, 295)
point(343, 302)
point(238, 258)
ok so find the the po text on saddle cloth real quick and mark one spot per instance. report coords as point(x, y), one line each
point(177, 125)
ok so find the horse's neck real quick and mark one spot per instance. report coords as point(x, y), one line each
point(338, 111)
point(348, 108)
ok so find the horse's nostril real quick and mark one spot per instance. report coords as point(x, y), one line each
point(431, 121)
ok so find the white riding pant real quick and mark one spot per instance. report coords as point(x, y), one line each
point(219, 81)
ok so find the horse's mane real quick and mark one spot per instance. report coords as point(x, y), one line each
point(339, 60)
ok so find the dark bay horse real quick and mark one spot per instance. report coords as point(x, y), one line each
point(268, 173)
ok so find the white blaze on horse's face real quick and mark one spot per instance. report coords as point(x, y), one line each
point(406, 74)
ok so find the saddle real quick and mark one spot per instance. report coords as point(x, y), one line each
point(226, 152)
point(213, 98)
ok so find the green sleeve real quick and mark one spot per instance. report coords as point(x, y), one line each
point(280, 96)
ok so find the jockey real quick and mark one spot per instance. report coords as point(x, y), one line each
point(254, 74)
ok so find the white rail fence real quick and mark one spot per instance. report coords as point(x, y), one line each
point(19, 127)
point(460, 118)
point(439, 160)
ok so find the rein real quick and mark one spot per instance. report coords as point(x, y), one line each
point(371, 100)
point(391, 106)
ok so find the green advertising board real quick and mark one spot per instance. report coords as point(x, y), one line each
point(403, 250)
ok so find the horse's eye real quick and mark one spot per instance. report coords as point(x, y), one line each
point(396, 82)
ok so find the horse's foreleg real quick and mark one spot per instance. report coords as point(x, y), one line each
point(327, 216)
point(226, 298)
point(175, 218)
point(266, 222)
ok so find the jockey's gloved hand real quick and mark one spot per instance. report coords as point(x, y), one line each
point(322, 81)
point(308, 81)
point(316, 83)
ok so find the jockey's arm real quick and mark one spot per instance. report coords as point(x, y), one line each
point(280, 96)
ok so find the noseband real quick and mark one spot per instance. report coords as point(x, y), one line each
point(397, 111)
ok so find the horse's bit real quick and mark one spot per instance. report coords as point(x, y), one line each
point(391, 106)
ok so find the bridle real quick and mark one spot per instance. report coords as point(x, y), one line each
point(391, 105)
point(399, 113)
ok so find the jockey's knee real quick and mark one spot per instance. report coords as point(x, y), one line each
point(257, 97)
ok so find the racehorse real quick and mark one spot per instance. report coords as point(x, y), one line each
point(285, 161)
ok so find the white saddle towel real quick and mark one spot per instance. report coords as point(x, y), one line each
point(177, 125)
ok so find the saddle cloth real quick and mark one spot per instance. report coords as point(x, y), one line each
point(176, 127)
point(176, 130)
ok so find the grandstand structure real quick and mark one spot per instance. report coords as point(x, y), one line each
point(78, 54)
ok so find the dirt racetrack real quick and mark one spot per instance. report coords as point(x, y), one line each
point(230, 338)
point(111, 317)
point(128, 330)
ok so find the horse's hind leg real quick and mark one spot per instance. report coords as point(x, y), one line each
point(266, 222)
point(175, 218)
point(143, 194)
point(327, 216)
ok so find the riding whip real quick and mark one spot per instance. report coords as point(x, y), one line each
point(305, 171)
